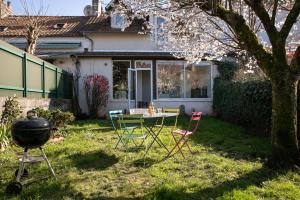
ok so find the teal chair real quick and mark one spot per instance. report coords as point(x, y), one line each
point(114, 116)
point(132, 129)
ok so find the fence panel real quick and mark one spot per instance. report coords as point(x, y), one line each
point(25, 75)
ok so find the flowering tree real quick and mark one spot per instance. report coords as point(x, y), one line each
point(96, 91)
point(266, 30)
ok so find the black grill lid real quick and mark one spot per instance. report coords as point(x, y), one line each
point(34, 123)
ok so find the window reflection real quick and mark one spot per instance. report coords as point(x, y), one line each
point(170, 79)
point(120, 84)
point(197, 81)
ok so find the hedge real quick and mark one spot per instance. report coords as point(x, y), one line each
point(248, 104)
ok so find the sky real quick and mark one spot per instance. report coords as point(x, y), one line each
point(55, 7)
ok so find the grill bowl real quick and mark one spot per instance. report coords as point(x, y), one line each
point(31, 133)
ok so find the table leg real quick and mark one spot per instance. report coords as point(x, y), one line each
point(155, 137)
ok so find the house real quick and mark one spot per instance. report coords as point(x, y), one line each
point(138, 71)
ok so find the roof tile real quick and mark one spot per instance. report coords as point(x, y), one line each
point(75, 25)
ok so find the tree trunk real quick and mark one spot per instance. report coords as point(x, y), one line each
point(284, 120)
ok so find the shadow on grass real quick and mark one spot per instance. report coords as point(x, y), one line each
point(94, 160)
point(144, 162)
point(114, 198)
point(229, 140)
point(253, 178)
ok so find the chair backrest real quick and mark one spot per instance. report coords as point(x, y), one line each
point(173, 110)
point(195, 118)
point(129, 120)
point(113, 115)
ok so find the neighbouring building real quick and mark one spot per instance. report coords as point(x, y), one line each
point(137, 70)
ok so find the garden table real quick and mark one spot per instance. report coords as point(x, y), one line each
point(151, 127)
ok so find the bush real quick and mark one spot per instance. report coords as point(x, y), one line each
point(4, 137)
point(12, 111)
point(245, 103)
point(227, 70)
point(96, 92)
point(57, 118)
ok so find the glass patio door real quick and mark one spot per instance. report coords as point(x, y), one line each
point(132, 88)
point(140, 84)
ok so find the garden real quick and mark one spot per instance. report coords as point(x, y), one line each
point(226, 163)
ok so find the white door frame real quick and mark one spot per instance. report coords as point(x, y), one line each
point(135, 70)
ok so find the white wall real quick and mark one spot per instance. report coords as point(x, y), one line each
point(101, 66)
point(85, 43)
point(122, 41)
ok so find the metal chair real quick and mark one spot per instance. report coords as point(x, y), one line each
point(169, 110)
point(185, 135)
point(126, 122)
point(114, 116)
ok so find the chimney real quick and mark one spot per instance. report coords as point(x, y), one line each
point(5, 9)
point(97, 7)
point(9, 8)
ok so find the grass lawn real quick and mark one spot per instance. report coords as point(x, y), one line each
point(227, 164)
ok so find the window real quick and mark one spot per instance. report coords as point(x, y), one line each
point(143, 64)
point(159, 31)
point(170, 79)
point(117, 21)
point(120, 83)
point(197, 82)
point(59, 26)
point(3, 28)
point(175, 80)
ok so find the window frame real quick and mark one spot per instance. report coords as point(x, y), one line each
point(114, 23)
point(184, 98)
point(112, 74)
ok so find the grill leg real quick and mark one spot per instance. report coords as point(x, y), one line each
point(22, 166)
point(48, 163)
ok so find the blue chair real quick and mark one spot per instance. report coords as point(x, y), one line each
point(126, 123)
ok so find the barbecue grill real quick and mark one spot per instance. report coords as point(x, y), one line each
point(29, 133)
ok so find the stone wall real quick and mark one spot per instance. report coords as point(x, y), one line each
point(28, 104)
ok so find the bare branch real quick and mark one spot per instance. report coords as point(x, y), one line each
point(274, 12)
point(291, 19)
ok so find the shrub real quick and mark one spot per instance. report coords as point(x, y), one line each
point(4, 137)
point(227, 70)
point(96, 92)
point(57, 118)
point(245, 103)
point(12, 110)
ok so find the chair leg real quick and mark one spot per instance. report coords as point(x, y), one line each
point(178, 144)
point(187, 143)
point(175, 146)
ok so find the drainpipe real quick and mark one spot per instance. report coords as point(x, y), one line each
point(91, 41)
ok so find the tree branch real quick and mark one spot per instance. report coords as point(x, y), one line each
point(274, 12)
point(295, 63)
point(258, 7)
point(291, 19)
point(247, 37)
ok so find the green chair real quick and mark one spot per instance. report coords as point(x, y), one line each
point(169, 110)
point(114, 116)
point(128, 133)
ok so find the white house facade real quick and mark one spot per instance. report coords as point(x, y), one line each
point(137, 70)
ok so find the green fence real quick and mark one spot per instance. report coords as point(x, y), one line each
point(25, 75)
